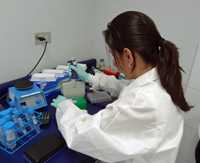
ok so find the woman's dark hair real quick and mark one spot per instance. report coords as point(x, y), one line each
point(137, 32)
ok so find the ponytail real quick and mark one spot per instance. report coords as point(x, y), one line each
point(136, 31)
point(169, 72)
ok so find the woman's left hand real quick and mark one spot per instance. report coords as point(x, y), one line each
point(55, 102)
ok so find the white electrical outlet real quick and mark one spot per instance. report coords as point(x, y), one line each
point(46, 35)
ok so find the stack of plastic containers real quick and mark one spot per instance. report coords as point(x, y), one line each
point(52, 86)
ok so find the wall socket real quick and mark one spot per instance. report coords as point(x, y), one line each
point(46, 35)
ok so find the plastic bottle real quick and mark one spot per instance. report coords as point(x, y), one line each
point(9, 135)
point(32, 120)
point(2, 122)
point(101, 64)
point(15, 115)
point(17, 119)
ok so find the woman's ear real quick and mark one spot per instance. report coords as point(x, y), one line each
point(128, 57)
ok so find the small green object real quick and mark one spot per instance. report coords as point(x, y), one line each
point(80, 102)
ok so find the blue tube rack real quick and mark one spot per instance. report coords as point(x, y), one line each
point(22, 139)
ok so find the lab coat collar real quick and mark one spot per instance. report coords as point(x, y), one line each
point(146, 78)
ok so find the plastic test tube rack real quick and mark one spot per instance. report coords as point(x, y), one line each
point(21, 138)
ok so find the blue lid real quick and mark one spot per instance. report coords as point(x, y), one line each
point(8, 125)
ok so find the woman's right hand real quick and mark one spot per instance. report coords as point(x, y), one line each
point(82, 74)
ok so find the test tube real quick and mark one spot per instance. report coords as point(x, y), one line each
point(2, 122)
point(9, 135)
point(18, 121)
point(31, 118)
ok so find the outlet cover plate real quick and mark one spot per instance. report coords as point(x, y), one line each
point(46, 35)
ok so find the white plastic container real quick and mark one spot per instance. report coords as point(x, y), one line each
point(57, 73)
point(46, 77)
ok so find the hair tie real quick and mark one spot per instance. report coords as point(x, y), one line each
point(160, 43)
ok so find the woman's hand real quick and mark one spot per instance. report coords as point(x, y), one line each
point(82, 74)
point(55, 102)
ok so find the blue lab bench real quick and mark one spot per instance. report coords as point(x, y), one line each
point(64, 155)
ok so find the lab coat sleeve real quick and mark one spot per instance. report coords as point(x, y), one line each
point(108, 83)
point(117, 133)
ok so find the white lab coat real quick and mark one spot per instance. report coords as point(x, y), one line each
point(142, 126)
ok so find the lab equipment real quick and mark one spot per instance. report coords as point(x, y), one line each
point(9, 135)
point(45, 119)
point(96, 97)
point(62, 67)
point(80, 102)
point(19, 128)
point(66, 69)
point(72, 88)
point(31, 97)
point(44, 148)
point(2, 122)
point(32, 120)
point(49, 86)
point(57, 73)
point(5, 115)
point(35, 123)
point(101, 64)
point(17, 119)
point(73, 62)
point(82, 74)
point(19, 131)
point(46, 77)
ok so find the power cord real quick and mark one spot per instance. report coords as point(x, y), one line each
point(45, 47)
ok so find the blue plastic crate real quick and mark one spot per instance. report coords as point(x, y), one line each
point(22, 138)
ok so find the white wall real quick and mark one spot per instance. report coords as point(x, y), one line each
point(77, 25)
point(192, 118)
point(176, 20)
point(69, 21)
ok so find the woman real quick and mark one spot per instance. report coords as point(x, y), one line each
point(145, 123)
